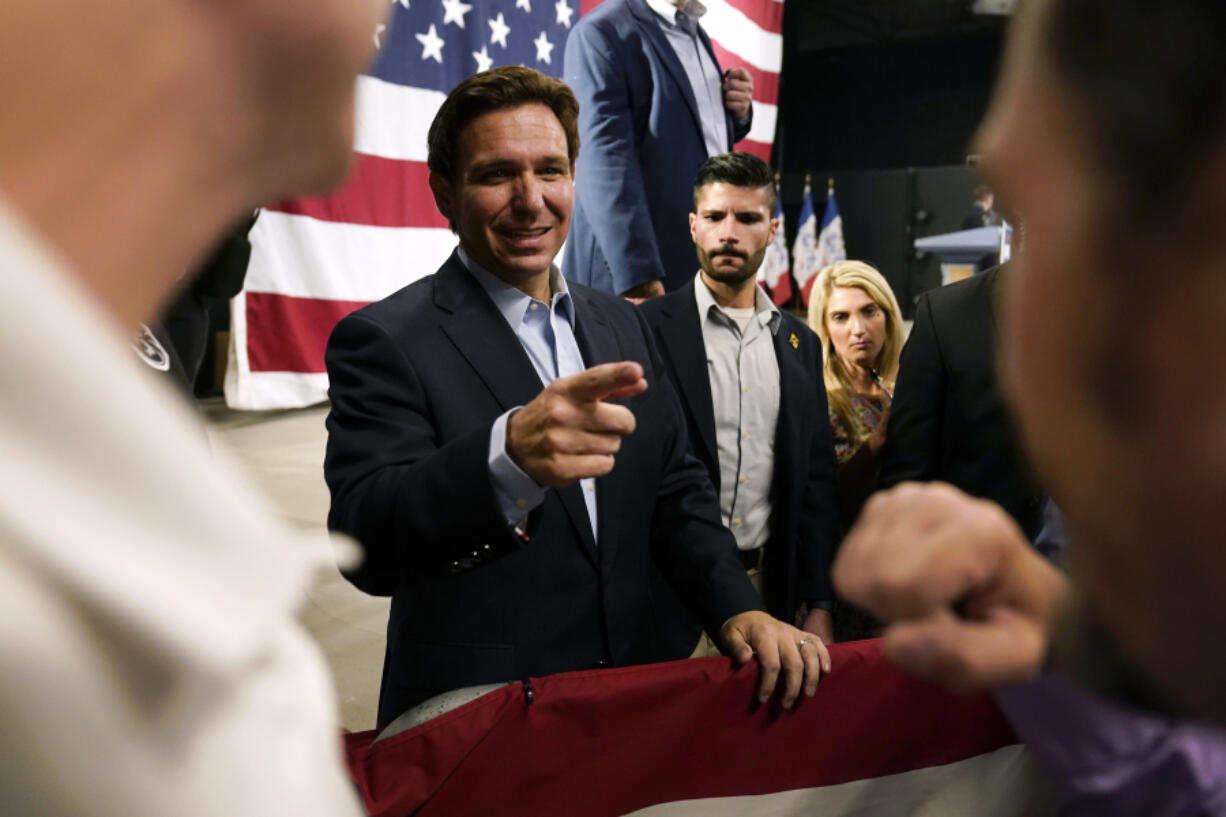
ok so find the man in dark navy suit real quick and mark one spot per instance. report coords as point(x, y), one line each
point(507, 449)
point(750, 379)
point(948, 421)
point(653, 105)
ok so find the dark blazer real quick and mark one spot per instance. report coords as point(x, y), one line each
point(642, 145)
point(947, 421)
point(804, 516)
point(417, 380)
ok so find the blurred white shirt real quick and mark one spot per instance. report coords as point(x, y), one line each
point(150, 660)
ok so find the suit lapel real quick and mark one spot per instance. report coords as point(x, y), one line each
point(598, 343)
point(649, 26)
point(685, 347)
point(482, 336)
point(791, 401)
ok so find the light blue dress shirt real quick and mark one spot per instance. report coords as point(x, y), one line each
point(680, 27)
point(547, 334)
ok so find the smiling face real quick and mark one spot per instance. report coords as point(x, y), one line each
point(732, 228)
point(511, 200)
point(856, 326)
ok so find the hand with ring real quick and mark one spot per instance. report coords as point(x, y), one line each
point(781, 652)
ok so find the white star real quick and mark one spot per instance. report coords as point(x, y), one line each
point(564, 12)
point(526, 5)
point(431, 45)
point(379, 29)
point(454, 11)
point(543, 47)
point(499, 30)
point(484, 61)
point(404, 3)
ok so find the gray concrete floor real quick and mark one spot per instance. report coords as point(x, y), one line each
point(283, 453)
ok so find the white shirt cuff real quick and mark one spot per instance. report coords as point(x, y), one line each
point(517, 493)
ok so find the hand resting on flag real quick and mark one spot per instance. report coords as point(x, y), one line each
point(568, 432)
point(778, 648)
point(968, 602)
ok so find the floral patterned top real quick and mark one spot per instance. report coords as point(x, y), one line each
point(866, 416)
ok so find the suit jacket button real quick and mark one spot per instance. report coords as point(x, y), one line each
point(601, 664)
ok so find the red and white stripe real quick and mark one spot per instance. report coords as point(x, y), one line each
point(686, 738)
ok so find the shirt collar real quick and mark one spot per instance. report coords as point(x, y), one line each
point(513, 303)
point(764, 309)
point(668, 12)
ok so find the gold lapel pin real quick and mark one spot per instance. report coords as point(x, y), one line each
point(795, 341)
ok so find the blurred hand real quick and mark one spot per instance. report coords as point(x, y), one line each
point(777, 646)
point(568, 432)
point(968, 602)
point(738, 93)
point(640, 293)
point(819, 623)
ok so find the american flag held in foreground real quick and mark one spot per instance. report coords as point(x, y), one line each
point(316, 259)
point(685, 739)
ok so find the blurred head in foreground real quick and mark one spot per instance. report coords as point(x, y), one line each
point(150, 124)
point(1114, 327)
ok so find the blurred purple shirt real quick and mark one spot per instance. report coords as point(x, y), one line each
point(1114, 761)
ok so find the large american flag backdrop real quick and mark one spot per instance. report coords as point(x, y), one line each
point(316, 259)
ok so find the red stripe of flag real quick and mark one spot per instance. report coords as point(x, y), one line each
point(379, 193)
point(760, 149)
point(609, 742)
point(766, 13)
point(288, 334)
point(765, 83)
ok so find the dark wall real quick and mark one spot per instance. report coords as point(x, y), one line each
point(884, 211)
point(886, 103)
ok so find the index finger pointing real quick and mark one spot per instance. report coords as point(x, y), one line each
point(603, 381)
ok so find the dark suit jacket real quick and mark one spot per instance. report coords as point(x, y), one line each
point(417, 380)
point(947, 421)
point(642, 145)
point(804, 516)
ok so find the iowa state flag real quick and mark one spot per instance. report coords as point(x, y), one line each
point(686, 739)
point(316, 259)
point(773, 274)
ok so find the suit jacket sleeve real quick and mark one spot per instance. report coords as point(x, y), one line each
point(610, 183)
point(415, 507)
point(912, 449)
point(693, 549)
point(818, 518)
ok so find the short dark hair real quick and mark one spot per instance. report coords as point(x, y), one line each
point(1151, 79)
point(739, 169)
point(982, 192)
point(507, 87)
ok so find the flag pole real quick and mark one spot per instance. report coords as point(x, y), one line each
point(797, 302)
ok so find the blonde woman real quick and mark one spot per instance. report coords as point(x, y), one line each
point(854, 311)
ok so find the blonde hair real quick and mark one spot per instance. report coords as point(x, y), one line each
point(838, 382)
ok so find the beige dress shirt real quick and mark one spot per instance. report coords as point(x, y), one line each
point(744, 375)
